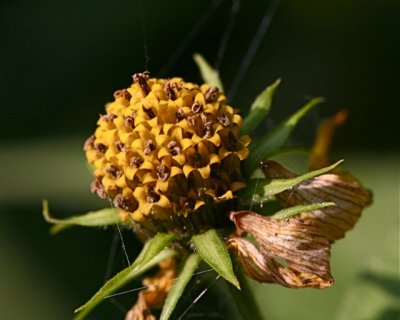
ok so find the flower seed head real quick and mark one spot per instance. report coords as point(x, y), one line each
point(165, 150)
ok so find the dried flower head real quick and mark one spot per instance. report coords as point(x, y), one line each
point(164, 149)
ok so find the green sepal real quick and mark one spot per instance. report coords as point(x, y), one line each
point(151, 255)
point(276, 138)
point(259, 109)
point(189, 267)
point(293, 211)
point(259, 191)
point(208, 73)
point(212, 250)
point(100, 218)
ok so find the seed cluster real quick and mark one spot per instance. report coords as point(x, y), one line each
point(165, 148)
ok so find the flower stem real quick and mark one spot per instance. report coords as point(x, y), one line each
point(245, 300)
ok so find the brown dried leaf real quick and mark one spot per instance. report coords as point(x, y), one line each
point(300, 244)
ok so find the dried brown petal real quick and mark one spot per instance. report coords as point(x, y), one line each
point(122, 94)
point(170, 91)
point(100, 147)
point(136, 162)
point(140, 311)
point(197, 107)
point(129, 205)
point(121, 146)
point(97, 188)
point(109, 117)
point(173, 148)
point(301, 245)
point(114, 171)
point(142, 78)
point(224, 120)
point(211, 94)
point(343, 189)
point(155, 293)
point(150, 146)
point(180, 115)
point(162, 172)
point(130, 121)
point(89, 143)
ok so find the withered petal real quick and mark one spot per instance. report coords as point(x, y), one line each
point(301, 245)
point(154, 293)
point(343, 189)
point(140, 311)
point(268, 270)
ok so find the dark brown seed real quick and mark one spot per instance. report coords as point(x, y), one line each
point(129, 205)
point(162, 172)
point(89, 143)
point(197, 107)
point(121, 146)
point(114, 171)
point(150, 113)
point(152, 195)
point(180, 115)
point(136, 162)
point(97, 188)
point(100, 147)
point(170, 91)
point(130, 121)
point(173, 148)
point(141, 78)
point(211, 94)
point(150, 146)
point(224, 120)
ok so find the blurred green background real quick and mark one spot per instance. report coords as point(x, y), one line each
point(60, 63)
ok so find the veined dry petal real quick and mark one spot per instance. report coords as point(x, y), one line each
point(300, 245)
point(343, 189)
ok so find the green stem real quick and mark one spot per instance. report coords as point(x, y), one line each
point(245, 300)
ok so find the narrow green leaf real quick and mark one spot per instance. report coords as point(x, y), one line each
point(276, 138)
point(152, 254)
point(292, 211)
point(259, 109)
point(104, 217)
point(212, 250)
point(208, 74)
point(176, 291)
point(259, 191)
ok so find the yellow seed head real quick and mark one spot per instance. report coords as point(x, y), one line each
point(167, 151)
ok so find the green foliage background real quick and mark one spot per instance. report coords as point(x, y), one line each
point(60, 63)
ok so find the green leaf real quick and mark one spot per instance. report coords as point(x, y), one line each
point(259, 109)
point(208, 74)
point(151, 254)
point(259, 191)
point(104, 217)
point(176, 291)
point(213, 251)
point(292, 211)
point(276, 138)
